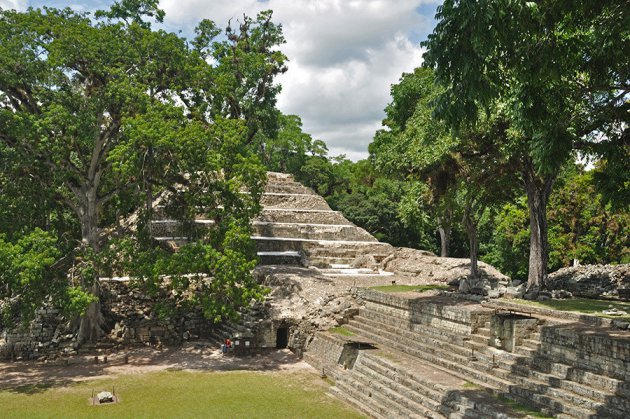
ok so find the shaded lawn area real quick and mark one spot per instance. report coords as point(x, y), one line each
point(408, 288)
point(182, 394)
point(582, 305)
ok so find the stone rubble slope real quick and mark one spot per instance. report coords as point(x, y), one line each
point(591, 280)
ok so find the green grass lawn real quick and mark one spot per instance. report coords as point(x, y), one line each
point(179, 394)
point(582, 305)
point(406, 288)
point(340, 330)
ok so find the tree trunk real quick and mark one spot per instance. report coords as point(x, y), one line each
point(88, 215)
point(538, 189)
point(444, 228)
point(91, 326)
point(471, 231)
point(470, 224)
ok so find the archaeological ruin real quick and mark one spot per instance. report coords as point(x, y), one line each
point(439, 353)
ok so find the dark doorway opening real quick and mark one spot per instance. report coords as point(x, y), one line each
point(282, 337)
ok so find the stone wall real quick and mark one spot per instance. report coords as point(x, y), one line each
point(131, 318)
point(460, 318)
point(326, 348)
point(601, 353)
point(48, 333)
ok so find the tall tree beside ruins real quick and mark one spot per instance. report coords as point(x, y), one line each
point(104, 112)
point(461, 173)
point(413, 145)
point(563, 72)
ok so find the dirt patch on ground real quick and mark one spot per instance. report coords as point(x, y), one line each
point(201, 356)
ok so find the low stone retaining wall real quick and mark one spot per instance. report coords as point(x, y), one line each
point(600, 353)
point(455, 316)
point(131, 318)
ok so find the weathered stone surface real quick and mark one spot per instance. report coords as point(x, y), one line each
point(591, 280)
point(428, 268)
point(105, 397)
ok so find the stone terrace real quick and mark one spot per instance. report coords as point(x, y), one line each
point(411, 356)
point(296, 227)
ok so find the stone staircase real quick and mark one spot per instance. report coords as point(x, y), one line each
point(296, 226)
point(385, 383)
point(458, 344)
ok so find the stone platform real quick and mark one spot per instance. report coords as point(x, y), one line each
point(562, 368)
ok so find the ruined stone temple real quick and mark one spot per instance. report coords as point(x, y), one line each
point(435, 354)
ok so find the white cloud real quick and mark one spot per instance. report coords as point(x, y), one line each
point(13, 4)
point(344, 55)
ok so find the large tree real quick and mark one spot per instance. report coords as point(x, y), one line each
point(105, 112)
point(562, 70)
point(463, 172)
point(415, 146)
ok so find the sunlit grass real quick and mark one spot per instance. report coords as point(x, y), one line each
point(180, 394)
point(581, 305)
point(521, 408)
point(340, 330)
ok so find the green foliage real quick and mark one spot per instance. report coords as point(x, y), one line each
point(213, 274)
point(509, 246)
point(102, 115)
point(557, 70)
point(29, 277)
point(509, 50)
point(581, 226)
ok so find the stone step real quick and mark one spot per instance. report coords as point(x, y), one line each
point(303, 216)
point(288, 188)
point(574, 393)
point(508, 361)
point(427, 335)
point(281, 258)
point(355, 272)
point(279, 177)
point(329, 262)
point(557, 401)
point(564, 392)
point(424, 333)
point(319, 248)
point(396, 322)
point(358, 400)
point(417, 388)
point(385, 392)
point(311, 231)
point(294, 201)
point(483, 331)
point(420, 395)
point(450, 362)
point(477, 372)
point(175, 228)
point(557, 374)
point(450, 390)
point(479, 339)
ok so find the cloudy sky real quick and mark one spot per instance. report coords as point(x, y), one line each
point(343, 55)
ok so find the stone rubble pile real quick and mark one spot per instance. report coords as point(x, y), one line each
point(591, 280)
